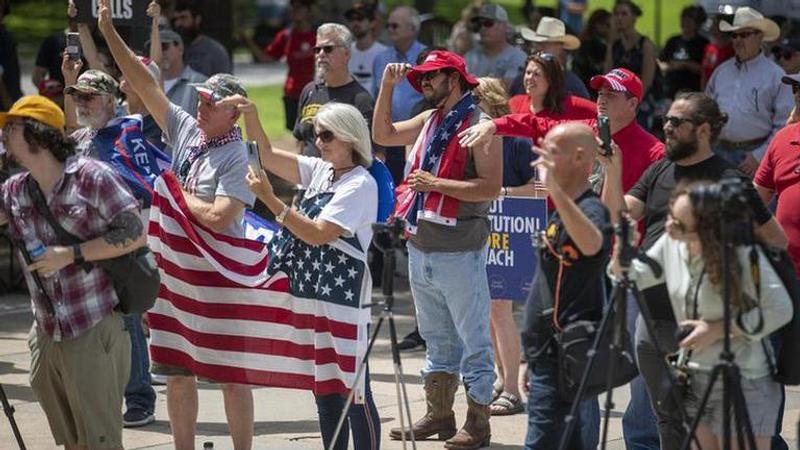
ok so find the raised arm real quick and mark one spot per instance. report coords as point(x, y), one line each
point(154, 11)
point(146, 87)
point(70, 69)
point(278, 161)
point(613, 195)
point(385, 131)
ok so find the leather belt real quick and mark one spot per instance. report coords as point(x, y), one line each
point(742, 145)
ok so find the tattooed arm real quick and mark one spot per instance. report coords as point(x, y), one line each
point(125, 234)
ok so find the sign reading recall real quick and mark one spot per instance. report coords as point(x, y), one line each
point(512, 258)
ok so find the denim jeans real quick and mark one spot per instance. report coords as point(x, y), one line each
point(362, 419)
point(547, 410)
point(139, 394)
point(451, 293)
point(639, 421)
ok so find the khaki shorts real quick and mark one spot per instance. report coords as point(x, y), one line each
point(80, 383)
point(168, 370)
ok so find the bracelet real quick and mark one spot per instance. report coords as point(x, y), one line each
point(77, 256)
point(282, 216)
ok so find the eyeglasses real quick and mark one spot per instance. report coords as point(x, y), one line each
point(83, 97)
point(677, 225)
point(392, 25)
point(675, 121)
point(742, 34)
point(428, 76)
point(480, 23)
point(324, 135)
point(546, 56)
point(165, 46)
point(325, 48)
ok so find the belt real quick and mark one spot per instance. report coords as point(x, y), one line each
point(742, 145)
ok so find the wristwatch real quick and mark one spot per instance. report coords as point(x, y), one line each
point(77, 256)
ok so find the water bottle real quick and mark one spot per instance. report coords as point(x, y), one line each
point(35, 249)
point(208, 445)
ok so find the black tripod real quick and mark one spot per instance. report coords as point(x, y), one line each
point(9, 410)
point(392, 234)
point(732, 231)
point(616, 310)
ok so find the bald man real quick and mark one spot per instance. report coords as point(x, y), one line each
point(578, 231)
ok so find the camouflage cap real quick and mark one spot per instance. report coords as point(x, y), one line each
point(220, 86)
point(94, 82)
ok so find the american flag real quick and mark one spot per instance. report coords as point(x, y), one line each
point(282, 314)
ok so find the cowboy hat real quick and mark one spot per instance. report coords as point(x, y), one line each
point(551, 30)
point(747, 17)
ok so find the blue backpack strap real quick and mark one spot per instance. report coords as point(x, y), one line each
point(386, 199)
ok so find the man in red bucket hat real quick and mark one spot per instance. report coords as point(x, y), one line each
point(444, 201)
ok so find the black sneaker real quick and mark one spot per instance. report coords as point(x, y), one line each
point(137, 418)
point(411, 341)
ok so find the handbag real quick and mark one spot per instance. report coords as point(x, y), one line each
point(134, 275)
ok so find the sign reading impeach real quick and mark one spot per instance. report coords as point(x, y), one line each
point(511, 261)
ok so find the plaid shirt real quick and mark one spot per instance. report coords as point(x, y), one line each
point(84, 201)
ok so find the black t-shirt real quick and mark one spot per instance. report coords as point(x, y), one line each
point(50, 54)
point(657, 183)
point(10, 64)
point(315, 95)
point(581, 288)
point(679, 49)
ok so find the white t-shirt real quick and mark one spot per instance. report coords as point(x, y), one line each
point(360, 64)
point(354, 205)
point(168, 84)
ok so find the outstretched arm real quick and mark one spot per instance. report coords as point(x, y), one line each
point(141, 80)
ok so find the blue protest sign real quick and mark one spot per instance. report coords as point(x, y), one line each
point(512, 258)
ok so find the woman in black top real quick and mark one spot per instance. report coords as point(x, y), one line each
point(683, 54)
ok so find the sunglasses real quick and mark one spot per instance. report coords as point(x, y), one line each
point(428, 76)
point(677, 225)
point(325, 48)
point(546, 56)
point(392, 25)
point(742, 34)
point(324, 135)
point(782, 54)
point(675, 121)
point(480, 23)
point(83, 97)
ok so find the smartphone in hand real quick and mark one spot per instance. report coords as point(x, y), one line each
point(73, 48)
point(254, 157)
point(605, 135)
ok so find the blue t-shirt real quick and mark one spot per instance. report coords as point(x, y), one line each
point(405, 96)
point(517, 158)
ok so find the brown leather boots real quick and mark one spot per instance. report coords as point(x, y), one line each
point(440, 391)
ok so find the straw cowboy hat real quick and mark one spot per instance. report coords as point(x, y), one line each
point(747, 17)
point(551, 30)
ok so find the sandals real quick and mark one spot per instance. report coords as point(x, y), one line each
point(497, 389)
point(506, 404)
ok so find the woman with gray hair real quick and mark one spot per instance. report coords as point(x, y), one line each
point(340, 202)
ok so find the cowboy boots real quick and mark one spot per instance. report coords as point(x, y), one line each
point(440, 393)
point(476, 432)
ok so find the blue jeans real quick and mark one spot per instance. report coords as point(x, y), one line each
point(139, 394)
point(362, 419)
point(639, 421)
point(451, 293)
point(547, 410)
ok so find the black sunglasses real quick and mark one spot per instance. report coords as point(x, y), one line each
point(481, 22)
point(428, 76)
point(325, 48)
point(324, 135)
point(742, 34)
point(392, 25)
point(675, 121)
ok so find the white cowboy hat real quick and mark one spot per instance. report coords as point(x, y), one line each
point(747, 17)
point(551, 30)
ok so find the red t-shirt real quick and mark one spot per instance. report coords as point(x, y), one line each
point(639, 148)
point(779, 171)
point(298, 49)
point(573, 108)
point(713, 56)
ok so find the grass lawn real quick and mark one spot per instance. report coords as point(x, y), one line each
point(270, 109)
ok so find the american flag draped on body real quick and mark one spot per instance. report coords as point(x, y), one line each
point(282, 314)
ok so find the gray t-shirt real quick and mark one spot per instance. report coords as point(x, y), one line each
point(505, 65)
point(207, 56)
point(218, 171)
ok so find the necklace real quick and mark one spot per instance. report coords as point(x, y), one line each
point(341, 170)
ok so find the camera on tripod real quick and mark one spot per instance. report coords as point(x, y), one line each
point(732, 197)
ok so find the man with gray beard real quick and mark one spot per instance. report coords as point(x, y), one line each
point(333, 83)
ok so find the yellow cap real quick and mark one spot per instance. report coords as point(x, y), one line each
point(38, 108)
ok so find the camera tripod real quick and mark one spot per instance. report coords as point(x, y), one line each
point(616, 312)
point(9, 410)
point(393, 233)
point(726, 369)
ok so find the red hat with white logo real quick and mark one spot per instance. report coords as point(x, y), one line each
point(438, 60)
point(620, 80)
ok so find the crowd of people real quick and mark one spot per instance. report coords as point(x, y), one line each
point(503, 111)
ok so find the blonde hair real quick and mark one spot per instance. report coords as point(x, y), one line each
point(493, 93)
point(347, 124)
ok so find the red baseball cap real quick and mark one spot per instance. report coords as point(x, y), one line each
point(621, 80)
point(438, 60)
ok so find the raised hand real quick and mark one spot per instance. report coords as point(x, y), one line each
point(70, 69)
point(259, 184)
point(243, 104)
point(154, 10)
point(477, 135)
point(395, 73)
point(104, 20)
point(72, 10)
